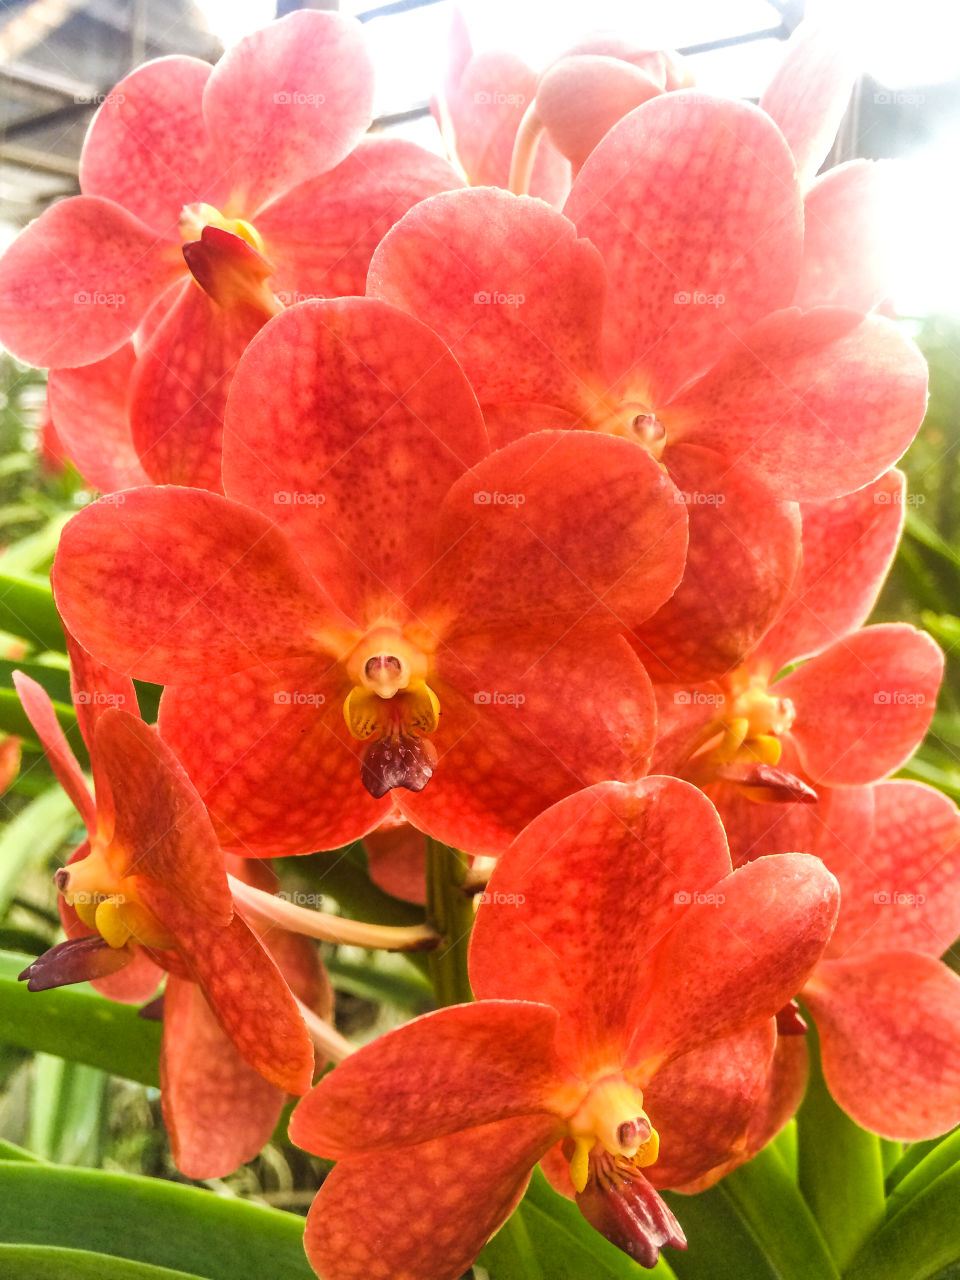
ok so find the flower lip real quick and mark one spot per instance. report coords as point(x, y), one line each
point(109, 903)
point(194, 217)
point(612, 1115)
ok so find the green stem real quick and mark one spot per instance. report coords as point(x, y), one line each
point(840, 1168)
point(450, 911)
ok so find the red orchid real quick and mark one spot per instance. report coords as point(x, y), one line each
point(852, 713)
point(254, 178)
point(810, 91)
point(479, 111)
point(681, 331)
point(147, 891)
point(386, 592)
point(686, 343)
point(887, 1009)
point(645, 1083)
point(506, 125)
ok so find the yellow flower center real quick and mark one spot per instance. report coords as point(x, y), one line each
point(109, 902)
point(612, 1115)
point(194, 217)
point(390, 696)
point(753, 721)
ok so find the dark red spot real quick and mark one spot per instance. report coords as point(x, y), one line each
point(397, 761)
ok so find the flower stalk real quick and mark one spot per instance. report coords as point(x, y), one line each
point(329, 928)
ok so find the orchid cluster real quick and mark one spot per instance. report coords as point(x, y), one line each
point(530, 505)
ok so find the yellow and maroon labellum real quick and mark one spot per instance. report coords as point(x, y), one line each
point(742, 745)
point(195, 217)
point(611, 1120)
point(108, 901)
point(391, 704)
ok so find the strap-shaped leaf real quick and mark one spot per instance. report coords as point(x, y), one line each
point(77, 1023)
point(36, 1262)
point(145, 1220)
point(840, 1167)
point(27, 610)
point(921, 1243)
point(36, 832)
point(939, 1160)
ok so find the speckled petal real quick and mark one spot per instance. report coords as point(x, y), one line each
point(218, 1111)
point(446, 1198)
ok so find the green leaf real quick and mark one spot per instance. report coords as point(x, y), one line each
point(13, 719)
point(27, 610)
point(147, 1220)
point(769, 1202)
point(914, 1153)
point(921, 1243)
point(67, 1111)
point(55, 679)
point(548, 1239)
point(382, 979)
point(77, 1023)
point(36, 550)
point(34, 834)
point(10, 1151)
point(37, 1262)
point(720, 1244)
point(840, 1167)
point(939, 1160)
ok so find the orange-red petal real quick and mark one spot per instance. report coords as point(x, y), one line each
point(445, 1199)
point(219, 1112)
